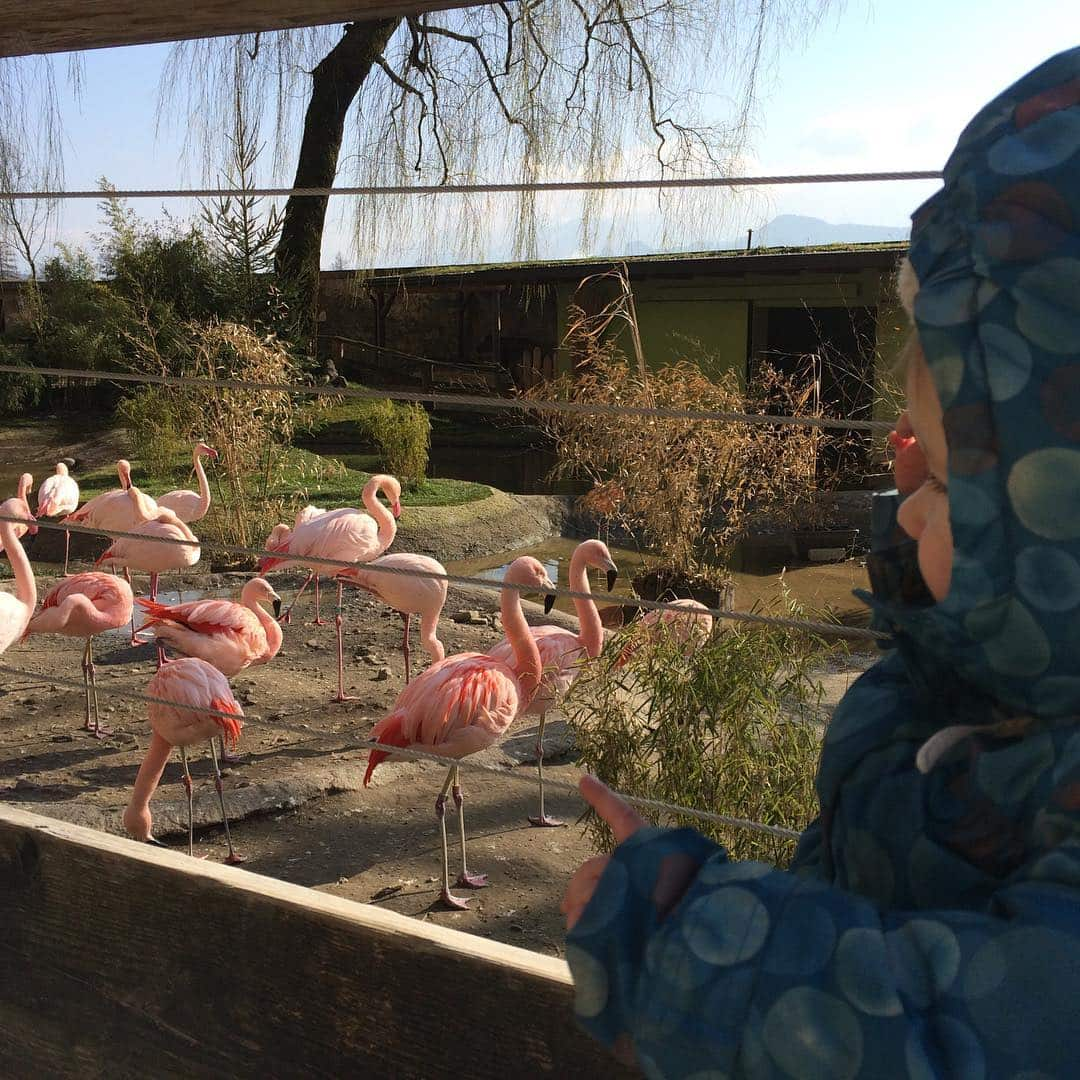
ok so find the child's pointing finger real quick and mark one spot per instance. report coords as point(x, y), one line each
point(623, 818)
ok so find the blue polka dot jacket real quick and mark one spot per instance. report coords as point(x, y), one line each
point(929, 924)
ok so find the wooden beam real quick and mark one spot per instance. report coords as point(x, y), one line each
point(47, 26)
point(119, 959)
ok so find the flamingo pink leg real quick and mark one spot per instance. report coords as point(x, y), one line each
point(405, 645)
point(447, 897)
point(190, 808)
point(542, 820)
point(338, 621)
point(286, 618)
point(233, 858)
point(319, 620)
point(67, 549)
point(465, 879)
point(135, 639)
point(90, 680)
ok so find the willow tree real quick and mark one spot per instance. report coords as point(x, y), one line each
point(518, 90)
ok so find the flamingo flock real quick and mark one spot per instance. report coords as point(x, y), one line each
point(457, 706)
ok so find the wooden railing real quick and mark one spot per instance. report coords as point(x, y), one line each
point(121, 959)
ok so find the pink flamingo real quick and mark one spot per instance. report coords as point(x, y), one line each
point(191, 506)
point(346, 534)
point(231, 636)
point(689, 627)
point(464, 704)
point(82, 606)
point(15, 611)
point(194, 686)
point(59, 496)
point(562, 651)
point(117, 510)
point(26, 482)
point(408, 596)
point(150, 555)
point(278, 540)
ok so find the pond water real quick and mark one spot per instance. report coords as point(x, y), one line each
point(819, 588)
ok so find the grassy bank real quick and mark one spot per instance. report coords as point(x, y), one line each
point(300, 474)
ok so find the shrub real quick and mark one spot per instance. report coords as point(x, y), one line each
point(18, 393)
point(156, 428)
point(402, 433)
point(399, 433)
point(731, 730)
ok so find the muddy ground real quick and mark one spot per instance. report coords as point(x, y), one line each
point(301, 812)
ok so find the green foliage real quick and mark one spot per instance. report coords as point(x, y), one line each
point(18, 393)
point(399, 434)
point(403, 435)
point(731, 729)
point(156, 429)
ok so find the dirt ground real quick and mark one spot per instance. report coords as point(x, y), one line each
point(301, 812)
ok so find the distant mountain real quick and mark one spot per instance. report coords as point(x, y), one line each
point(794, 230)
point(789, 230)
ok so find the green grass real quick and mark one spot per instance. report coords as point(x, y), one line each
point(321, 480)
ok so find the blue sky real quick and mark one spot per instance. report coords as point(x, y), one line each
point(879, 85)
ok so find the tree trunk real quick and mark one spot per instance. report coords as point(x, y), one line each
point(334, 85)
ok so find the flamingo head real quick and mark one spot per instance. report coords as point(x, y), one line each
point(61, 468)
point(202, 450)
point(18, 510)
point(530, 572)
point(257, 590)
point(598, 557)
point(123, 470)
point(391, 488)
point(26, 482)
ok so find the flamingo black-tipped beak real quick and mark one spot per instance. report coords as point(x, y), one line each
point(277, 606)
point(212, 454)
point(612, 574)
point(155, 843)
point(549, 603)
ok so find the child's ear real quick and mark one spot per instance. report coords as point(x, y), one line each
point(907, 287)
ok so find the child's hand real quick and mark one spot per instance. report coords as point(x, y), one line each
point(624, 822)
point(909, 466)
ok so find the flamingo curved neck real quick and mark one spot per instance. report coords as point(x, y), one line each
point(590, 629)
point(25, 589)
point(204, 485)
point(383, 518)
point(274, 635)
point(526, 654)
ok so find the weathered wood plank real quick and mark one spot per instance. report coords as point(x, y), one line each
point(119, 959)
point(46, 26)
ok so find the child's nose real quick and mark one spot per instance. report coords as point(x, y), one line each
point(912, 514)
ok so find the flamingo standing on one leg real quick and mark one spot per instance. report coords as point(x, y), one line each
point(464, 704)
point(194, 686)
point(562, 651)
point(278, 540)
point(345, 534)
point(82, 606)
point(26, 482)
point(231, 636)
point(150, 555)
point(192, 506)
point(15, 611)
point(59, 496)
point(409, 596)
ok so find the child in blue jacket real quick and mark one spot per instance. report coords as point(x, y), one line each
point(929, 925)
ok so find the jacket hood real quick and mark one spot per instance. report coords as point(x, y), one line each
point(997, 256)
